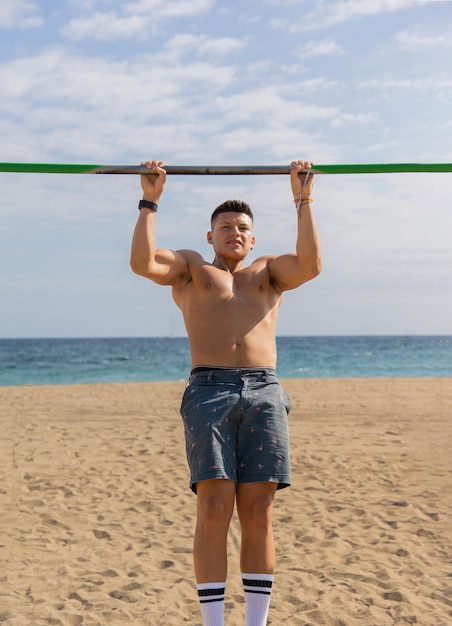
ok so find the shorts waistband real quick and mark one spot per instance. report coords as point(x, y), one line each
point(241, 371)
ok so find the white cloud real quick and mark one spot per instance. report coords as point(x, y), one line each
point(431, 83)
point(58, 76)
point(257, 105)
point(22, 14)
point(326, 47)
point(345, 119)
point(137, 20)
point(107, 27)
point(351, 9)
point(415, 40)
point(89, 5)
point(327, 13)
point(312, 85)
point(202, 45)
point(169, 8)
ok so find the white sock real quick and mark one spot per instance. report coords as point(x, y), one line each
point(258, 589)
point(211, 599)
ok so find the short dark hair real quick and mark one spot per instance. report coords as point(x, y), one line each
point(232, 206)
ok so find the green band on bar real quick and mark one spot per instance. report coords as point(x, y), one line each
point(48, 168)
point(359, 168)
point(382, 168)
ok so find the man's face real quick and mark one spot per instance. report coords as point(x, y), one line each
point(232, 234)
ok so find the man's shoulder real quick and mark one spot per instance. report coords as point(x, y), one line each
point(192, 256)
point(264, 260)
point(195, 264)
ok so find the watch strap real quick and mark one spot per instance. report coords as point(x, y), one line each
point(146, 204)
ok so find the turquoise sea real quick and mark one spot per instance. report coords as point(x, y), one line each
point(67, 361)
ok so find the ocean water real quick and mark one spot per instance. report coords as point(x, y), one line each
point(67, 361)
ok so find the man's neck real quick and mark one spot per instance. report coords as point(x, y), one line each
point(228, 265)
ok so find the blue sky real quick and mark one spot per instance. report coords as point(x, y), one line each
point(225, 82)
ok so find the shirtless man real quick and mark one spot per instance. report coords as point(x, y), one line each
point(234, 409)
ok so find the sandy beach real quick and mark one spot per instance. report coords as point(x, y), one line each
point(97, 517)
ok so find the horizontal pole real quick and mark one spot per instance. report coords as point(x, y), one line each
point(221, 170)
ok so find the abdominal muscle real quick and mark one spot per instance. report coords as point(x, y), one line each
point(213, 346)
point(230, 324)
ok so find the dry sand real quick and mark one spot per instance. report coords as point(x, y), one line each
point(97, 518)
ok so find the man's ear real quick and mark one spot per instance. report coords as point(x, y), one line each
point(209, 236)
point(253, 242)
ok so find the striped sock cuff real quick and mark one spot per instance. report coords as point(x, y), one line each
point(211, 592)
point(258, 583)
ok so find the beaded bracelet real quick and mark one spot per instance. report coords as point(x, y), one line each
point(302, 202)
point(304, 199)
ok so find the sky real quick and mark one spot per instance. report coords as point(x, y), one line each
point(221, 82)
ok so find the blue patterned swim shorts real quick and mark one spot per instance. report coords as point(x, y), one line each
point(236, 426)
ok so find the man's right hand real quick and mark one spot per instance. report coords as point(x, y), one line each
point(153, 185)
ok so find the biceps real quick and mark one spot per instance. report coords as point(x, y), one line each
point(286, 272)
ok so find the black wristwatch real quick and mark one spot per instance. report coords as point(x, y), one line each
point(146, 204)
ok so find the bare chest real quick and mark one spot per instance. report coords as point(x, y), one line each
point(245, 290)
point(244, 286)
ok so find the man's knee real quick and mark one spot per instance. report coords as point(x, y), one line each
point(255, 506)
point(259, 514)
point(215, 503)
point(212, 509)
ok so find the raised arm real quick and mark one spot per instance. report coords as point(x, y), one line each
point(289, 271)
point(162, 266)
